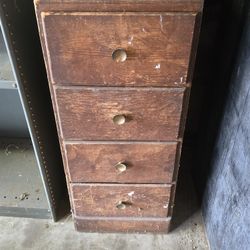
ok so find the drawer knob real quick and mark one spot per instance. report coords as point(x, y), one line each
point(121, 167)
point(119, 55)
point(121, 205)
point(119, 119)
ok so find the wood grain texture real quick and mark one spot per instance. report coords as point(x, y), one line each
point(101, 200)
point(146, 163)
point(87, 113)
point(124, 225)
point(80, 47)
point(120, 5)
point(87, 88)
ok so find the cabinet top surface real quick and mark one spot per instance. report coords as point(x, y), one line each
point(125, 5)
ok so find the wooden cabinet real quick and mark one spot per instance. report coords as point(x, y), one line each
point(120, 75)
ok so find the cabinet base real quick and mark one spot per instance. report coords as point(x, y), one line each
point(122, 225)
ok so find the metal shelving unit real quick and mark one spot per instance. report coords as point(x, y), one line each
point(32, 180)
point(12, 119)
point(21, 188)
point(7, 80)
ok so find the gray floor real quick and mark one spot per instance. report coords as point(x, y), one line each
point(19, 233)
point(187, 234)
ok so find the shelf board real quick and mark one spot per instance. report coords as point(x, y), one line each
point(20, 181)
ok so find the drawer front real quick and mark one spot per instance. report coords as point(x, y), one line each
point(80, 48)
point(146, 114)
point(121, 200)
point(121, 162)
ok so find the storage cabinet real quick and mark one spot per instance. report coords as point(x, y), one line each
point(120, 75)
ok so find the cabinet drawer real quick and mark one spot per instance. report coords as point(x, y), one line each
point(121, 162)
point(121, 200)
point(80, 48)
point(95, 113)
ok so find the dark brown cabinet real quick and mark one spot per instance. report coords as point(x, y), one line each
point(120, 75)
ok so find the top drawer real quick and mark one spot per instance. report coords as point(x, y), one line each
point(155, 48)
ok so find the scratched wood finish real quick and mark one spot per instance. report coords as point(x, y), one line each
point(125, 225)
point(87, 87)
point(146, 163)
point(101, 199)
point(120, 5)
point(87, 113)
point(158, 48)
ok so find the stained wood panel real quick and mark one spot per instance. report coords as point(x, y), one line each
point(80, 48)
point(120, 5)
point(101, 200)
point(87, 113)
point(131, 112)
point(146, 162)
point(125, 225)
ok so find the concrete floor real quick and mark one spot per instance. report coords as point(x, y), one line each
point(187, 234)
point(17, 233)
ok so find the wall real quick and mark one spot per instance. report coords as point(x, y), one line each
point(219, 40)
point(226, 203)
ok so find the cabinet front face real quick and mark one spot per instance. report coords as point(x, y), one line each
point(96, 114)
point(107, 49)
point(121, 162)
point(119, 74)
point(121, 200)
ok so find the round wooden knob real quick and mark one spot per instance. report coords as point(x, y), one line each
point(121, 167)
point(119, 119)
point(119, 55)
point(121, 205)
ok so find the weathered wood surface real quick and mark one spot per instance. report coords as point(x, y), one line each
point(120, 5)
point(87, 88)
point(87, 113)
point(80, 47)
point(146, 162)
point(101, 200)
point(125, 225)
